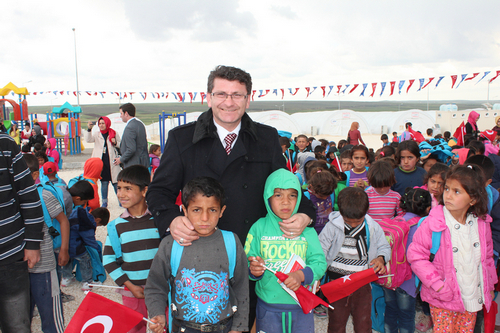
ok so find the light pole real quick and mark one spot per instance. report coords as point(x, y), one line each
point(76, 68)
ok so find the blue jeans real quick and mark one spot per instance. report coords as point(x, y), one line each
point(104, 190)
point(85, 265)
point(399, 311)
point(15, 298)
point(45, 294)
point(279, 318)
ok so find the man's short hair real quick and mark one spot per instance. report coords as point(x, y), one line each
point(429, 131)
point(32, 162)
point(408, 124)
point(284, 142)
point(205, 186)
point(101, 213)
point(82, 189)
point(135, 175)
point(230, 74)
point(129, 108)
point(353, 203)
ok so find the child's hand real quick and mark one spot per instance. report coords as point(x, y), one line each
point(137, 291)
point(294, 280)
point(378, 265)
point(63, 258)
point(160, 324)
point(256, 266)
point(361, 184)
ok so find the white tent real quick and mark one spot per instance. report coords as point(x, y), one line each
point(278, 119)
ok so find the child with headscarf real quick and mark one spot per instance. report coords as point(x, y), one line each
point(52, 152)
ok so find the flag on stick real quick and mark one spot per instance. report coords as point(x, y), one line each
point(97, 314)
point(346, 285)
point(459, 134)
point(307, 300)
point(416, 136)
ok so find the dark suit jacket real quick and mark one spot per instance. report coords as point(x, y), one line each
point(194, 150)
point(134, 144)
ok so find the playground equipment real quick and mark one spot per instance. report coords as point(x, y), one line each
point(161, 123)
point(20, 109)
point(63, 124)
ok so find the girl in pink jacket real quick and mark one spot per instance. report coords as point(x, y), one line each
point(460, 280)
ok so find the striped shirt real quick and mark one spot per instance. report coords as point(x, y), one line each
point(20, 223)
point(383, 206)
point(139, 240)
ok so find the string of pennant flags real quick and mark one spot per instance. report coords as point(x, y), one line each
point(324, 90)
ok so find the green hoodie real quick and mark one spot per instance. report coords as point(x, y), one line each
point(265, 239)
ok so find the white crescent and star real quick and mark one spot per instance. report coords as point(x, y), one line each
point(105, 321)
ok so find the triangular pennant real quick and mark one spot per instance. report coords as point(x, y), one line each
point(409, 86)
point(329, 91)
point(338, 88)
point(202, 94)
point(421, 84)
point(439, 81)
point(364, 88)
point(374, 86)
point(308, 89)
point(324, 91)
point(430, 80)
point(498, 73)
point(383, 88)
point(346, 86)
point(282, 93)
point(393, 84)
point(353, 88)
point(472, 77)
point(453, 80)
point(485, 74)
point(463, 78)
point(400, 86)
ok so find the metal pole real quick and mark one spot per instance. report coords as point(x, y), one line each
point(76, 68)
point(488, 91)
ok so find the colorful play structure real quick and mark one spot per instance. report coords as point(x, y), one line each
point(20, 109)
point(161, 123)
point(63, 124)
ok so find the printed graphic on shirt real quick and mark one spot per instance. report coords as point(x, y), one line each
point(276, 250)
point(202, 295)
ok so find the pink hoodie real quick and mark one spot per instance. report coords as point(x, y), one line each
point(441, 273)
point(52, 151)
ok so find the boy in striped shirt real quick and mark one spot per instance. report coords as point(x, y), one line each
point(138, 240)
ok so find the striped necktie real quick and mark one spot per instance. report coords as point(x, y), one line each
point(229, 141)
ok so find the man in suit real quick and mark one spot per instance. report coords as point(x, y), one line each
point(134, 144)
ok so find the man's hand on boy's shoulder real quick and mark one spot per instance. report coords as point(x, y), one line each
point(295, 225)
point(256, 266)
point(182, 231)
point(137, 291)
point(159, 324)
point(378, 264)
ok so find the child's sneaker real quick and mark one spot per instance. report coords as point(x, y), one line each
point(424, 324)
point(65, 282)
point(65, 298)
point(86, 287)
point(320, 311)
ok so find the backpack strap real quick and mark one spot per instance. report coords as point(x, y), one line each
point(307, 194)
point(436, 242)
point(230, 244)
point(115, 241)
point(367, 228)
point(348, 174)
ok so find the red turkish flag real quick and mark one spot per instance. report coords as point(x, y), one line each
point(453, 80)
point(416, 136)
point(459, 134)
point(393, 83)
point(307, 299)
point(409, 86)
point(97, 314)
point(346, 285)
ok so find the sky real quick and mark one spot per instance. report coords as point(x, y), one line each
point(171, 46)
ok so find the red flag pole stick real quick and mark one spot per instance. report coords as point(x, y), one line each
point(149, 321)
point(103, 286)
point(384, 276)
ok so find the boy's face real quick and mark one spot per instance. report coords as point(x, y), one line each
point(302, 143)
point(130, 195)
point(354, 222)
point(204, 213)
point(283, 148)
point(395, 135)
point(385, 140)
point(283, 202)
point(346, 164)
point(41, 161)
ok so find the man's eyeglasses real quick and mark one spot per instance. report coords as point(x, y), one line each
point(223, 96)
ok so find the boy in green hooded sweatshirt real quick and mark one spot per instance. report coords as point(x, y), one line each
point(277, 311)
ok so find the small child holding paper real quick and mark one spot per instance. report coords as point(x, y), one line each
point(265, 245)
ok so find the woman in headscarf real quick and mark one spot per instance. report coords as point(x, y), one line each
point(471, 126)
point(105, 142)
point(52, 152)
point(497, 124)
point(354, 135)
point(36, 136)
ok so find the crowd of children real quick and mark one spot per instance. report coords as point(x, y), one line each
point(356, 193)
